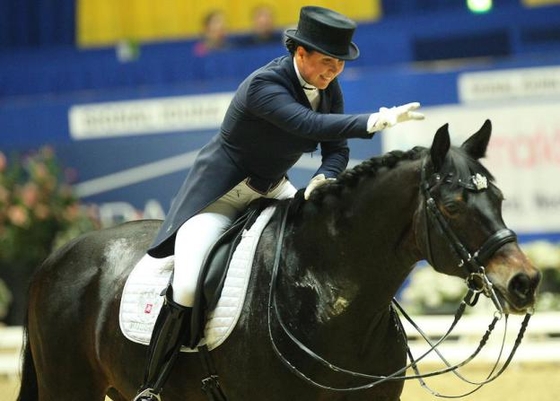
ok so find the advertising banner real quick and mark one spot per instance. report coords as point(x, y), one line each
point(523, 154)
point(148, 116)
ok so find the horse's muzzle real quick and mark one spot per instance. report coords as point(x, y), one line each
point(515, 279)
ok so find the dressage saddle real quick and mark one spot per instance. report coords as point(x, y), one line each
point(214, 269)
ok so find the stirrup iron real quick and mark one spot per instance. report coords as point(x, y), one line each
point(147, 394)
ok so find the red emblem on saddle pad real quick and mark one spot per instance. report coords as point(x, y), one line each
point(148, 308)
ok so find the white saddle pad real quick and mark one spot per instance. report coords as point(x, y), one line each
point(141, 300)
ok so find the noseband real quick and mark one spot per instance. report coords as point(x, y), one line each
point(472, 263)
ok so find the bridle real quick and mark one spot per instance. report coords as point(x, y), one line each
point(477, 283)
point(476, 279)
point(474, 263)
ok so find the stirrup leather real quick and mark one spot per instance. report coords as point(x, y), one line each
point(147, 394)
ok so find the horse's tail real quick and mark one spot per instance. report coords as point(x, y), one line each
point(29, 389)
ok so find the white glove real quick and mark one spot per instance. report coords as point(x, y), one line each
point(390, 117)
point(316, 182)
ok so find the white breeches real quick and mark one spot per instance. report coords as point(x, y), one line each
point(196, 235)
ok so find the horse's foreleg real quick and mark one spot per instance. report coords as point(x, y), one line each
point(67, 375)
point(63, 355)
point(69, 383)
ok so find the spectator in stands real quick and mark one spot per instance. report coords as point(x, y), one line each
point(287, 107)
point(214, 34)
point(264, 29)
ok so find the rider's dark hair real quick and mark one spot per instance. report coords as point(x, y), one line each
point(292, 46)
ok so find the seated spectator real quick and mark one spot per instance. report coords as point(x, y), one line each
point(214, 34)
point(264, 29)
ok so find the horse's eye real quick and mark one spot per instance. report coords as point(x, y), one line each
point(452, 206)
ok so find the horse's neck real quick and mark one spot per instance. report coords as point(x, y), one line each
point(362, 249)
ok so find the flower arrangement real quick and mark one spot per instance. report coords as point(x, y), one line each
point(38, 209)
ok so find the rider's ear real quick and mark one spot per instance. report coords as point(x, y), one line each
point(476, 145)
point(440, 147)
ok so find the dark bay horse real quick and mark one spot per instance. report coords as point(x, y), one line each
point(345, 253)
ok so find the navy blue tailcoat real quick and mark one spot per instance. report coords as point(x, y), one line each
point(268, 126)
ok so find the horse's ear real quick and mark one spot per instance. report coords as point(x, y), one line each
point(477, 144)
point(440, 147)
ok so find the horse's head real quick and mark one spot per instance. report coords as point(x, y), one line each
point(459, 226)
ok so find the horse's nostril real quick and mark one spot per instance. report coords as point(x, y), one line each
point(522, 286)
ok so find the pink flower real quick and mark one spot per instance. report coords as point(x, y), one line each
point(41, 211)
point(30, 194)
point(40, 171)
point(71, 175)
point(18, 215)
point(3, 162)
point(71, 212)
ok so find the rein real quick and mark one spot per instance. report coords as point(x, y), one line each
point(477, 283)
point(454, 368)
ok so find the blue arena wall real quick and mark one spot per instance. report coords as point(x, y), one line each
point(508, 31)
point(28, 122)
point(398, 64)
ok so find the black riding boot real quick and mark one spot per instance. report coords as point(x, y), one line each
point(171, 328)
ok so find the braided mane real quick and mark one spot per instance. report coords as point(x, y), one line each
point(368, 168)
point(461, 165)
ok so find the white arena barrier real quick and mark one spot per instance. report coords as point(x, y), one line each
point(541, 342)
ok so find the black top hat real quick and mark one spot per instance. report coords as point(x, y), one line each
point(326, 31)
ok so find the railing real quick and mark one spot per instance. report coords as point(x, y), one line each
point(540, 344)
point(10, 350)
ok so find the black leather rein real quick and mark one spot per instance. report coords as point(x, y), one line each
point(477, 282)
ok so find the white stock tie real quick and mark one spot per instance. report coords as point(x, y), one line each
point(312, 94)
